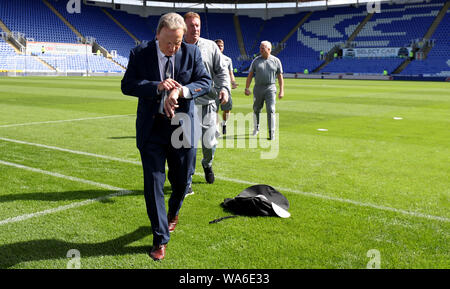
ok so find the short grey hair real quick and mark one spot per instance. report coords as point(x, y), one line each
point(267, 44)
point(172, 21)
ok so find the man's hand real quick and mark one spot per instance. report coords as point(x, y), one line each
point(234, 85)
point(171, 103)
point(168, 84)
point(281, 94)
point(247, 91)
point(223, 96)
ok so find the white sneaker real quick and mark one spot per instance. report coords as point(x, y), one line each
point(255, 132)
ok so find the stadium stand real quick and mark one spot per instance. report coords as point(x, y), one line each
point(39, 23)
point(274, 30)
point(438, 59)
point(221, 26)
point(397, 25)
point(324, 30)
point(251, 31)
point(121, 60)
point(81, 63)
point(6, 49)
point(6, 52)
point(321, 32)
point(95, 23)
point(9, 60)
point(142, 28)
point(35, 20)
point(363, 65)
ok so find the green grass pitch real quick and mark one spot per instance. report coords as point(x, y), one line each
point(375, 177)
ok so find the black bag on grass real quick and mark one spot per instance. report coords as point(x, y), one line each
point(258, 200)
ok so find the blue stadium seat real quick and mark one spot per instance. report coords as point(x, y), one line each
point(397, 25)
point(321, 32)
point(363, 65)
point(92, 21)
point(438, 59)
point(35, 20)
point(81, 63)
point(142, 28)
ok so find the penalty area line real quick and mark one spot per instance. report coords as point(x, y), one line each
point(120, 192)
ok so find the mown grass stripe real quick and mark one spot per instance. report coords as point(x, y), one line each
point(120, 192)
point(65, 120)
point(309, 194)
point(71, 151)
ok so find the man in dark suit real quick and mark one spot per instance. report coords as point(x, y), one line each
point(166, 75)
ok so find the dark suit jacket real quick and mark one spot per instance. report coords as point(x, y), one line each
point(142, 77)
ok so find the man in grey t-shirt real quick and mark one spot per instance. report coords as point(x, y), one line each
point(215, 65)
point(266, 68)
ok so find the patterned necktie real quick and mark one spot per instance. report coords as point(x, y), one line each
point(168, 70)
point(167, 74)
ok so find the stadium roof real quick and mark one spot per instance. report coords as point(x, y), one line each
point(254, 8)
point(214, 1)
point(235, 1)
point(241, 2)
point(244, 3)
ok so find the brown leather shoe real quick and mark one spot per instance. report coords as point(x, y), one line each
point(158, 252)
point(173, 221)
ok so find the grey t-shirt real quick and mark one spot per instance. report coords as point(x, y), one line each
point(229, 64)
point(265, 71)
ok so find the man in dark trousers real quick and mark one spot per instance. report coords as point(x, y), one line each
point(166, 75)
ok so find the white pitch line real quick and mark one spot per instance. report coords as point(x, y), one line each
point(120, 192)
point(70, 151)
point(63, 120)
point(315, 195)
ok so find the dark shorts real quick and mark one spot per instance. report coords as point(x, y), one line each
point(225, 107)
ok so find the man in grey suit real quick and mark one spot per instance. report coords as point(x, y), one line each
point(216, 66)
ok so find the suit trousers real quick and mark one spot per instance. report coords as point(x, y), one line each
point(154, 155)
point(204, 118)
